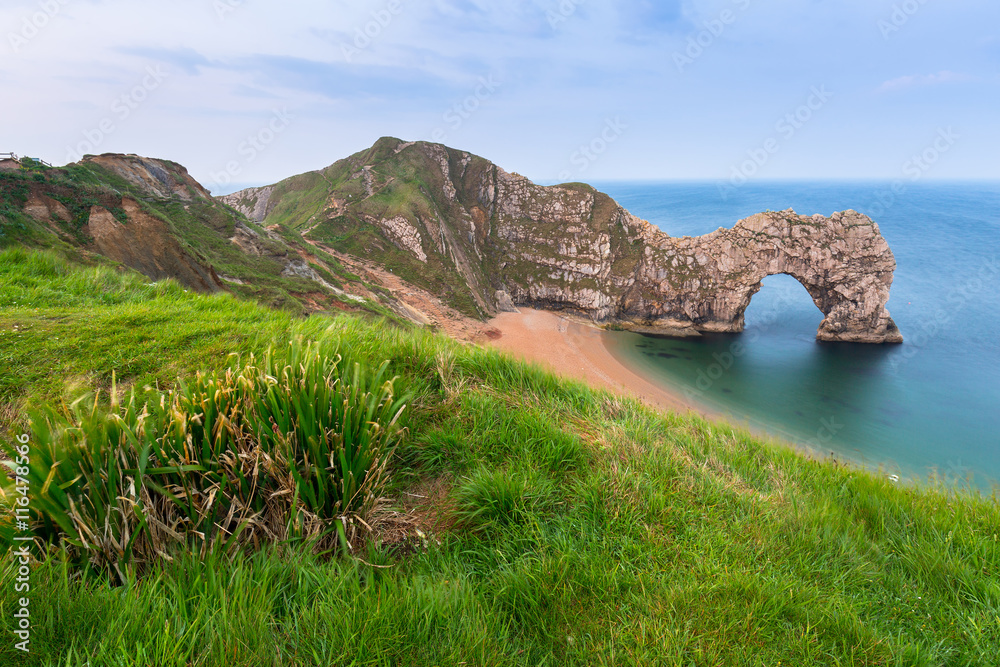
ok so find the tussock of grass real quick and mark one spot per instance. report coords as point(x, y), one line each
point(293, 447)
point(498, 498)
point(579, 529)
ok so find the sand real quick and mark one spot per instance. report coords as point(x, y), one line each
point(569, 347)
point(575, 349)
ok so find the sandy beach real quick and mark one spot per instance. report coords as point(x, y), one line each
point(574, 349)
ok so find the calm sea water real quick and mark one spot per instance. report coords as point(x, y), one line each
point(928, 407)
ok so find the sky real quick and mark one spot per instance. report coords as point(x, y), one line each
point(246, 92)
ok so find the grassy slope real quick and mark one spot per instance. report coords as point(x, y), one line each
point(202, 226)
point(63, 326)
point(405, 184)
point(401, 189)
point(410, 184)
point(576, 528)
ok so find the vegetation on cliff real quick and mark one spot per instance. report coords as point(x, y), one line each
point(151, 216)
point(524, 520)
point(461, 226)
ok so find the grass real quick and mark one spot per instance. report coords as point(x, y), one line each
point(202, 227)
point(546, 523)
point(64, 328)
point(292, 446)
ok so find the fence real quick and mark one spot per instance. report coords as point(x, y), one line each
point(24, 161)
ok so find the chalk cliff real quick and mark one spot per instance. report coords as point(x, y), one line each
point(488, 239)
point(481, 239)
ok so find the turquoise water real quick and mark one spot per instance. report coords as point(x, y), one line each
point(929, 406)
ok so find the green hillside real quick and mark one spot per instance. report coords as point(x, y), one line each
point(166, 225)
point(343, 205)
point(457, 225)
point(517, 519)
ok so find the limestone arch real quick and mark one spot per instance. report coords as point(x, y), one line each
point(843, 262)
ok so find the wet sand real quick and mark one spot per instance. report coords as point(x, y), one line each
point(575, 349)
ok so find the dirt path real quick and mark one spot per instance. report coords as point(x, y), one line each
point(417, 304)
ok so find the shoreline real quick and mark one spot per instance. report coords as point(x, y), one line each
point(574, 349)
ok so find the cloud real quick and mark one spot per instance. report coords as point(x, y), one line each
point(565, 66)
point(186, 59)
point(340, 81)
point(919, 81)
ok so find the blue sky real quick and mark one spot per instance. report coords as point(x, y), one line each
point(248, 91)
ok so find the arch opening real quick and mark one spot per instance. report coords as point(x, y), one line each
point(782, 303)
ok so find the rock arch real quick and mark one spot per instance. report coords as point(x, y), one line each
point(569, 247)
point(843, 262)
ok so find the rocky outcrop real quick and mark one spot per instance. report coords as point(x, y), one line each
point(404, 235)
point(706, 283)
point(145, 244)
point(43, 209)
point(455, 222)
point(570, 247)
point(252, 202)
point(158, 178)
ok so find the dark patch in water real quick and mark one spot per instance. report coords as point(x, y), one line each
point(799, 413)
point(689, 358)
point(893, 409)
point(666, 355)
point(726, 391)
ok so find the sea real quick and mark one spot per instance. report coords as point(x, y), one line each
point(927, 410)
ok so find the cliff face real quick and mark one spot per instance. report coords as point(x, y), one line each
point(487, 239)
point(158, 178)
point(151, 216)
point(461, 228)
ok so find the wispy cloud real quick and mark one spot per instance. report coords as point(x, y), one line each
point(186, 59)
point(566, 65)
point(922, 80)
